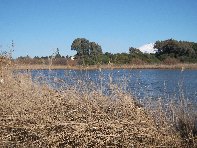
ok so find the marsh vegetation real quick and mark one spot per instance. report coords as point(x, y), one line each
point(35, 115)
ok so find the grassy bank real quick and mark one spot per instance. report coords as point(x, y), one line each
point(145, 66)
point(32, 115)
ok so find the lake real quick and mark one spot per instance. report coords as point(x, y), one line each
point(142, 83)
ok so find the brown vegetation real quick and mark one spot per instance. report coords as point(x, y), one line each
point(110, 66)
point(32, 115)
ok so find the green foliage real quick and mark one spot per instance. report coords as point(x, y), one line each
point(56, 58)
point(180, 50)
point(194, 46)
point(137, 57)
point(57, 54)
point(88, 53)
point(25, 57)
point(95, 53)
point(82, 46)
point(121, 58)
point(106, 58)
point(134, 51)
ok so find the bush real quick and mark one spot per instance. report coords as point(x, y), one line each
point(34, 115)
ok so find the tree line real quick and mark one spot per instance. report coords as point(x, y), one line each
point(90, 53)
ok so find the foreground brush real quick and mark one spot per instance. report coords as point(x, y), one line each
point(33, 115)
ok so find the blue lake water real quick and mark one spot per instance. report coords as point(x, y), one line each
point(142, 83)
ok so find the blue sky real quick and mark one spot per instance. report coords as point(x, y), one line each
point(38, 27)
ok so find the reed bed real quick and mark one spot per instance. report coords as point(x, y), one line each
point(34, 115)
point(110, 66)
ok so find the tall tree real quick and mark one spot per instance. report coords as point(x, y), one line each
point(175, 49)
point(88, 52)
point(133, 50)
point(95, 52)
point(82, 46)
point(57, 54)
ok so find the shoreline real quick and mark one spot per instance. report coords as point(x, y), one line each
point(97, 67)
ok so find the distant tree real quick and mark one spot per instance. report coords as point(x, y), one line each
point(57, 54)
point(121, 58)
point(138, 57)
point(82, 46)
point(106, 58)
point(185, 51)
point(24, 57)
point(133, 50)
point(95, 52)
point(45, 57)
point(87, 52)
point(194, 46)
point(36, 57)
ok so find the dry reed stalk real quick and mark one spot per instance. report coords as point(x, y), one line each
point(32, 115)
point(130, 66)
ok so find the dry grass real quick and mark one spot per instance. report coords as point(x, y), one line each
point(181, 116)
point(111, 66)
point(36, 116)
